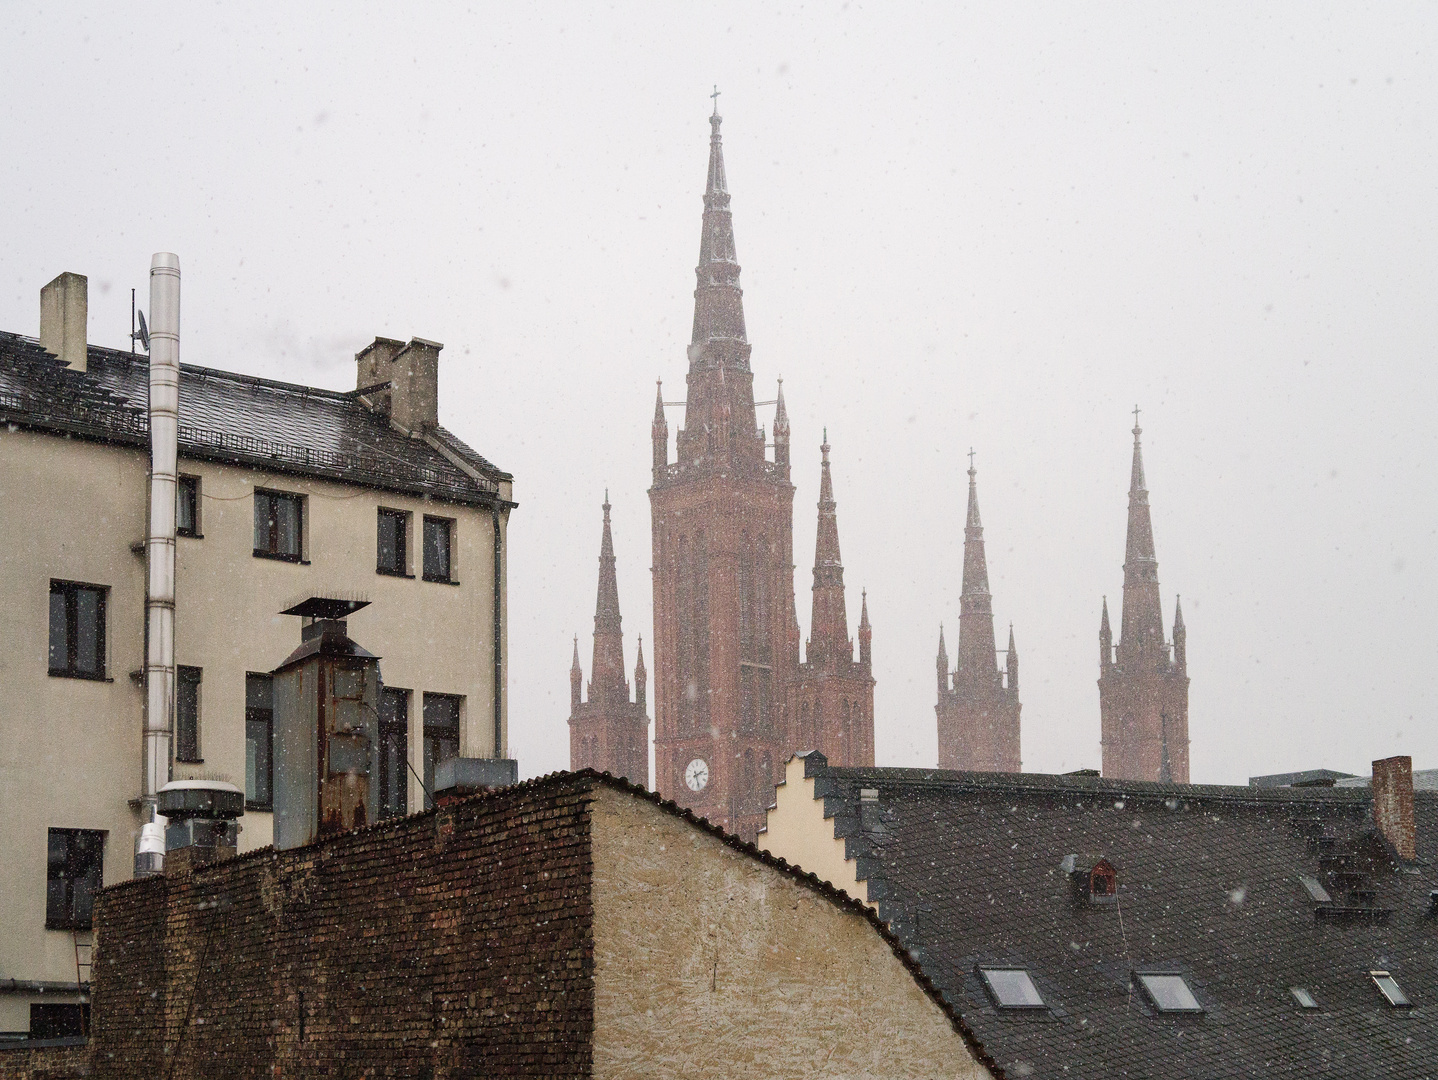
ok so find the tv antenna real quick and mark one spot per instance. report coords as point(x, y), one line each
point(142, 335)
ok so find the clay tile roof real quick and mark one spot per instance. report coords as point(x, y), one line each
point(240, 419)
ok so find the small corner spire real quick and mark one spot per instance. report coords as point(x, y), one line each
point(574, 666)
point(1178, 613)
point(864, 607)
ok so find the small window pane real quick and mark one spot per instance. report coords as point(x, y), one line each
point(74, 873)
point(391, 554)
point(1315, 890)
point(187, 714)
point(187, 500)
point(59, 629)
point(1012, 988)
point(87, 631)
point(278, 524)
point(259, 691)
point(441, 736)
point(1170, 993)
point(1388, 986)
point(287, 514)
point(436, 549)
point(1303, 997)
point(394, 753)
point(259, 740)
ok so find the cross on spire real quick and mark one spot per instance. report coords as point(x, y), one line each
point(971, 460)
point(1136, 428)
point(715, 96)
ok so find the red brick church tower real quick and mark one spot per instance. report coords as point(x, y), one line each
point(833, 698)
point(978, 707)
point(1143, 690)
point(725, 641)
point(609, 732)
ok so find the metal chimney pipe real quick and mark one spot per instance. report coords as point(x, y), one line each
point(160, 543)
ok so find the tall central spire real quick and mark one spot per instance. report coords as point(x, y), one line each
point(829, 623)
point(1141, 631)
point(718, 300)
point(976, 666)
point(607, 671)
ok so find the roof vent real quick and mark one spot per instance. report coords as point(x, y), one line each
point(1094, 878)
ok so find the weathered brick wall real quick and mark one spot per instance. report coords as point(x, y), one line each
point(44, 1063)
point(450, 944)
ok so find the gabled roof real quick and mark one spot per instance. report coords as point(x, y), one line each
point(967, 869)
point(239, 419)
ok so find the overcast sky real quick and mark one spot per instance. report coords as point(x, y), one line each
point(998, 226)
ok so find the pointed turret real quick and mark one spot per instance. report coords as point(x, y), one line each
point(781, 432)
point(942, 662)
point(866, 633)
point(641, 679)
point(829, 625)
point(718, 300)
point(606, 675)
point(1105, 640)
point(576, 678)
point(1141, 633)
point(1180, 639)
point(659, 432)
point(1011, 663)
point(976, 664)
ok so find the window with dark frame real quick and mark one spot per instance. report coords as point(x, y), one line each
point(393, 753)
point(437, 536)
point(259, 741)
point(279, 525)
point(441, 737)
point(391, 536)
point(59, 1021)
point(187, 506)
point(75, 861)
point(1012, 988)
point(1168, 991)
point(77, 630)
point(187, 714)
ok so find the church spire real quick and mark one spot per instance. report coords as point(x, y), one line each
point(641, 678)
point(1011, 663)
point(1180, 639)
point(659, 431)
point(1142, 630)
point(1105, 640)
point(576, 678)
point(941, 662)
point(829, 624)
point(718, 300)
point(606, 674)
point(781, 431)
point(866, 632)
point(976, 664)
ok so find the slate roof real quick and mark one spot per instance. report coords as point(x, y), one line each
point(238, 419)
point(966, 868)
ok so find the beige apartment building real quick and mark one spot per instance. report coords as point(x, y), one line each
point(285, 492)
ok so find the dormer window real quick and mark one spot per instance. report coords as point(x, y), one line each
point(1168, 992)
point(1389, 988)
point(1012, 988)
point(1103, 880)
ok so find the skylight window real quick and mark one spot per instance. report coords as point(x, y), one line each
point(1389, 988)
point(1303, 997)
point(1169, 992)
point(1012, 988)
point(1315, 890)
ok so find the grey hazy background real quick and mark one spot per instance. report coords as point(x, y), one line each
point(998, 226)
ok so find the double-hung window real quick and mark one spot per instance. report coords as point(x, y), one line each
point(438, 534)
point(279, 525)
point(259, 741)
point(187, 506)
point(77, 630)
point(187, 714)
point(75, 861)
point(441, 736)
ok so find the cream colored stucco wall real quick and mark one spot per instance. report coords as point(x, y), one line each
point(798, 831)
point(70, 749)
point(707, 962)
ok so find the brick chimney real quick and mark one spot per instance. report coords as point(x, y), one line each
point(412, 371)
point(64, 319)
point(1393, 804)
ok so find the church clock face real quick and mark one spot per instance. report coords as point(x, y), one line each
point(696, 774)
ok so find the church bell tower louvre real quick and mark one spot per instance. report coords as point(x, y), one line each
point(608, 732)
point(978, 707)
point(1143, 683)
point(726, 646)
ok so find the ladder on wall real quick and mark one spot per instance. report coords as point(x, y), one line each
point(84, 955)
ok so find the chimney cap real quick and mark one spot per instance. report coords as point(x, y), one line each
point(325, 607)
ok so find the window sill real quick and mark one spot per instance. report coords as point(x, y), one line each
point(189, 761)
point(70, 928)
point(263, 808)
point(277, 557)
point(392, 573)
point(79, 675)
point(440, 580)
point(189, 535)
